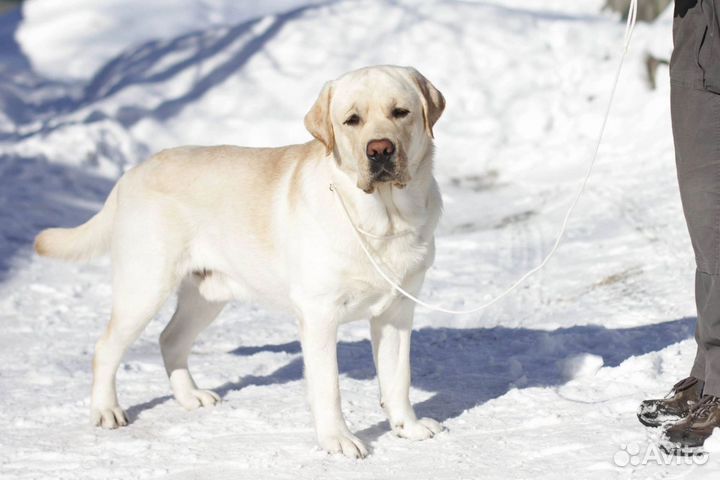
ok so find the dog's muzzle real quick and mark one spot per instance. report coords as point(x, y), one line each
point(381, 154)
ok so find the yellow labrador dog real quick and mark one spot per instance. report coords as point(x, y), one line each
point(261, 224)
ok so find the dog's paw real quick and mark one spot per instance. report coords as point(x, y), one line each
point(196, 398)
point(110, 418)
point(421, 429)
point(345, 443)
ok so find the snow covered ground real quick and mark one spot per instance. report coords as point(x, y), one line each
point(545, 383)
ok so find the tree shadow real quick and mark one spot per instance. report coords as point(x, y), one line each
point(46, 105)
point(36, 194)
point(26, 96)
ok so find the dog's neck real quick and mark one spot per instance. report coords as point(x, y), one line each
point(389, 210)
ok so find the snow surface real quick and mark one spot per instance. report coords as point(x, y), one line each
point(544, 384)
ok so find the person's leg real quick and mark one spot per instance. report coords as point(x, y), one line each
point(708, 329)
point(698, 368)
point(695, 115)
point(696, 130)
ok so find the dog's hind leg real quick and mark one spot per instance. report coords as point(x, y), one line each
point(192, 315)
point(141, 283)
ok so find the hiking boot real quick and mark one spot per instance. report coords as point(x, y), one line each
point(693, 430)
point(676, 405)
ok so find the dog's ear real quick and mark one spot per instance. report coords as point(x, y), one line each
point(433, 101)
point(317, 120)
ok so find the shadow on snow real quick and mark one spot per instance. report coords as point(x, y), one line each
point(464, 368)
point(43, 105)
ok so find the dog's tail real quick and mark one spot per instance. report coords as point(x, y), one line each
point(89, 240)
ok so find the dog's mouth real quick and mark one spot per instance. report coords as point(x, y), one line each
point(382, 177)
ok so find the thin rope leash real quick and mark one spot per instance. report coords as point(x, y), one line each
point(629, 28)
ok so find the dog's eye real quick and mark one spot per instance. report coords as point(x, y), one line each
point(400, 112)
point(352, 120)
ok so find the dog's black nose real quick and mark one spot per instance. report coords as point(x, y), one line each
point(380, 151)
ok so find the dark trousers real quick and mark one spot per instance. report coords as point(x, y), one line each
point(695, 108)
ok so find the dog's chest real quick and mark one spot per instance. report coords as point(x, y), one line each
point(365, 292)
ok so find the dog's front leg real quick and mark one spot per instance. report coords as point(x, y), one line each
point(318, 335)
point(391, 349)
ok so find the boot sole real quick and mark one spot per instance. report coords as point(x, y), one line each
point(654, 423)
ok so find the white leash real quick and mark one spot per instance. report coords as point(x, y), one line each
point(629, 27)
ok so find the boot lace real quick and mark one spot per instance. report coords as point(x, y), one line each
point(706, 404)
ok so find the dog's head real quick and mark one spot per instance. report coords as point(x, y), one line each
point(378, 123)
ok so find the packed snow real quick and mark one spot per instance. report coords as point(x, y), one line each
point(544, 383)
